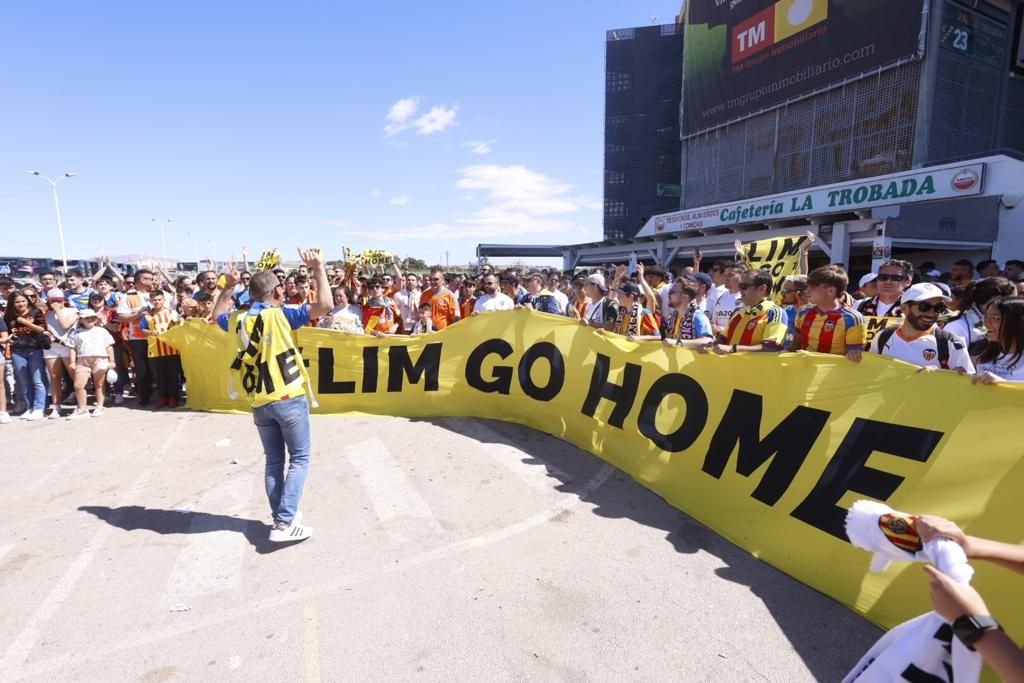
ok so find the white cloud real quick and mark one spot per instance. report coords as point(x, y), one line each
point(438, 119)
point(375, 194)
point(400, 114)
point(399, 201)
point(480, 147)
point(519, 202)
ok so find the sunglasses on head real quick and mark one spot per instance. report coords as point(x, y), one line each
point(926, 307)
point(889, 277)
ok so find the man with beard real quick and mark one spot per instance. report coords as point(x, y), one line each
point(893, 277)
point(207, 282)
point(919, 341)
point(492, 299)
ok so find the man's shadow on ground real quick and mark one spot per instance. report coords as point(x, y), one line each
point(164, 522)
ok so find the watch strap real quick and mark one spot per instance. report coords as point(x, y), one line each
point(969, 628)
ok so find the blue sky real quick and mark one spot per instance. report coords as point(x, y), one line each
point(414, 127)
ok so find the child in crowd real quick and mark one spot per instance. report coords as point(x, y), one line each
point(424, 325)
point(165, 359)
point(91, 356)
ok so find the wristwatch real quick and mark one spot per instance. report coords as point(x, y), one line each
point(970, 628)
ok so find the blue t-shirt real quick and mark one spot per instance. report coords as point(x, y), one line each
point(297, 316)
point(702, 325)
point(80, 301)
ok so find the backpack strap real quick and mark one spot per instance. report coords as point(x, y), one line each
point(884, 336)
point(943, 340)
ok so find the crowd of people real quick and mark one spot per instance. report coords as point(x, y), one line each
point(61, 334)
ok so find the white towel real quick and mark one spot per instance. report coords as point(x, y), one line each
point(924, 645)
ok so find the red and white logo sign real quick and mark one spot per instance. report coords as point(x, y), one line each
point(965, 180)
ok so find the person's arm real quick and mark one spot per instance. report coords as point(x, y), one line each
point(115, 274)
point(1007, 555)
point(399, 277)
point(110, 352)
point(324, 298)
point(31, 324)
point(953, 600)
point(652, 297)
point(698, 256)
point(741, 254)
point(245, 258)
point(72, 358)
point(805, 247)
point(224, 299)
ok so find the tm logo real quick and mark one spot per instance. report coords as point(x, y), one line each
point(774, 24)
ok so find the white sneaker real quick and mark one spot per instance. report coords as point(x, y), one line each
point(98, 411)
point(118, 399)
point(4, 418)
point(288, 534)
point(77, 414)
point(54, 413)
point(33, 415)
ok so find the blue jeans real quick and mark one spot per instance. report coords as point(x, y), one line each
point(30, 375)
point(280, 424)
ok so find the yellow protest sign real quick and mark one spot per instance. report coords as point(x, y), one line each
point(368, 257)
point(269, 260)
point(779, 256)
point(876, 324)
point(768, 450)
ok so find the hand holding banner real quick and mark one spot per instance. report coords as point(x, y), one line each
point(269, 260)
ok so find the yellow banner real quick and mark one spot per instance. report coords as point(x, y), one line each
point(767, 450)
point(269, 260)
point(876, 324)
point(779, 256)
point(368, 257)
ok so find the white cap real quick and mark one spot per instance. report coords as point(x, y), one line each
point(923, 291)
point(598, 279)
point(87, 313)
point(933, 273)
point(870, 277)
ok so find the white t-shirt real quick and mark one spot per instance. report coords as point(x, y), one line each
point(1009, 367)
point(92, 342)
point(965, 326)
point(344, 319)
point(562, 299)
point(882, 309)
point(725, 306)
point(486, 303)
point(923, 350)
point(713, 295)
point(407, 304)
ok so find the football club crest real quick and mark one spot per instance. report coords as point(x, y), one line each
point(830, 326)
point(929, 355)
point(752, 324)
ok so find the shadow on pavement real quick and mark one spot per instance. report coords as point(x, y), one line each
point(136, 517)
point(828, 637)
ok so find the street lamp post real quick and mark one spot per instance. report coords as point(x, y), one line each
point(56, 205)
point(163, 238)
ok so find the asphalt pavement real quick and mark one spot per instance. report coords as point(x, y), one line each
point(135, 549)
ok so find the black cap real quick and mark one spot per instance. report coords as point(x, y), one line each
point(629, 288)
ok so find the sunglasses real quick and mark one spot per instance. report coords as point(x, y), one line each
point(927, 307)
point(887, 277)
point(790, 291)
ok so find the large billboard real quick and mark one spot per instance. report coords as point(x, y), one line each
point(743, 56)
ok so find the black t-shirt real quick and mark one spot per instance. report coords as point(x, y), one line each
point(22, 337)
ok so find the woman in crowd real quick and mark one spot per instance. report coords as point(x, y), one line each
point(27, 327)
point(60, 321)
point(1003, 358)
point(345, 316)
point(972, 305)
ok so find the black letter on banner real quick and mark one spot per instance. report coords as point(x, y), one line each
point(622, 396)
point(696, 412)
point(786, 446)
point(287, 365)
point(325, 377)
point(370, 369)
point(401, 364)
point(502, 382)
point(847, 471)
point(557, 363)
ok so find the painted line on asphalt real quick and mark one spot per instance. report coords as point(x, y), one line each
point(17, 652)
point(538, 475)
point(211, 560)
point(571, 500)
point(311, 642)
point(391, 492)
